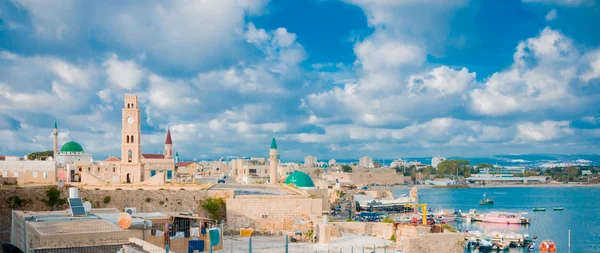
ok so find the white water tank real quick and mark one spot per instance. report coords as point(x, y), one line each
point(73, 192)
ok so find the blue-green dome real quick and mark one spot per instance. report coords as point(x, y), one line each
point(299, 179)
point(324, 166)
point(72, 147)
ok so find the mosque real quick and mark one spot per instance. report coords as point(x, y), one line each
point(133, 167)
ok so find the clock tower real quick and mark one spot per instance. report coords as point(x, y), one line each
point(131, 167)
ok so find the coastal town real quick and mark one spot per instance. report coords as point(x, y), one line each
point(64, 199)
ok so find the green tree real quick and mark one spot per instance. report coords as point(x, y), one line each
point(346, 168)
point(454, 167)
point(40, 155)
point(484, 165)
point(54, 200)
point(215, 208)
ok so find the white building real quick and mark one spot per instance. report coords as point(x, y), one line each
point(72, 152)
point(437, 160)
point(366, 162)
point(398, 163)
point(28, 171)
point(332, 162)
point(310, 161)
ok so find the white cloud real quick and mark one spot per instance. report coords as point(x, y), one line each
point(541, 76)
point(572, 3)
point(544, 131)
point(125, 74)
point(551, 15)
point(593, 59)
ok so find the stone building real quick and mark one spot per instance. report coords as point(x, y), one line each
point(28, 171)
point(310, 161)
point(366, 162)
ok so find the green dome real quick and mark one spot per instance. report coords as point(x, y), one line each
point(71, 146)
point(299, 179)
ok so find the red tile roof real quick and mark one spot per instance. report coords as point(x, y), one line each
point(112, 159)
point(153, 156)
point(2, 157)
point(182, 164)
point(169, 141)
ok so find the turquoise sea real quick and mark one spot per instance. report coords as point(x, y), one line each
point(581, 214)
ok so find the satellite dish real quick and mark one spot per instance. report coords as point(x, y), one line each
point(60, 183)
point(124, 220)
point(87, 206)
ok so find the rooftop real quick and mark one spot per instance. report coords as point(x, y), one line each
point(244, 189)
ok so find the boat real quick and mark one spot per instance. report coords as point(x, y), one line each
point(539, 209)
point(485, 244)
point(547, 246)
point(444, 219)
point(486, 200)
point(558, 208)
point(503, 217)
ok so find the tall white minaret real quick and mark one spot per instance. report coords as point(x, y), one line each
point(55, 133)
point(273, 162)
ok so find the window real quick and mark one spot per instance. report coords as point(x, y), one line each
point(127, 138)
point(114, 169)
point(35, 174)
point(89, 169)
point(132, 139)
point(128, 106)
point(98, 170)
point(266, 171)
point(16, 174)
point(264, 216)
point(45, 174)
point(4, 173)
point(129, 155)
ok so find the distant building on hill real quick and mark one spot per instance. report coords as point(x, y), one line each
point(366, 162)
point(437, 160)
point(310, 161)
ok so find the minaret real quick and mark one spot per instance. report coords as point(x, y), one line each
point(168, 145)
point(273, 161)
point(55, 133)
point(176, 157)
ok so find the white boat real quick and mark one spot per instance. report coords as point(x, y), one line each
point(502, 217)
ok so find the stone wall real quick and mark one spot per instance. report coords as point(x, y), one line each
point(377, 229)
point(271, 213)
point(434, 243)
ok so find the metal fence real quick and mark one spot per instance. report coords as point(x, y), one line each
point(48, 232)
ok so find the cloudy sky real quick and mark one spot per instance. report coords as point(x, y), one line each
point(330, 78)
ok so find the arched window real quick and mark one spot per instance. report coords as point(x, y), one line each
point(113, 169)
point(129, 155)
point(127, 138)
point(98, 169)
point(132, 139)
point(128, 106)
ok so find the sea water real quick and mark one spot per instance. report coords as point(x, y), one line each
point(581, 214)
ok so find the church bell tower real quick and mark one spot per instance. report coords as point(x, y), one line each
point(131, 167)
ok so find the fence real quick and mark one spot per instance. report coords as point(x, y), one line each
point(154, 233)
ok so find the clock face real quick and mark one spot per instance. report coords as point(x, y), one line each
point(130, 120)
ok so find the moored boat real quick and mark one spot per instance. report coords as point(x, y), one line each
point(502, 217)
point(539, 209)
point(547, 246)
point(558, 208)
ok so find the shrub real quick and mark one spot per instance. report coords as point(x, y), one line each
point(387, 220)
point(15, 202)
point(448, 227)
point(106, 200)
point(393, 237)
point(148, 199)
point(54, 200)
point(215, 208)
point(349, 220)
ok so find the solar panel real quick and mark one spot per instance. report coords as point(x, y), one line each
point(78, 211)
point(76, 206)
point(75, 202)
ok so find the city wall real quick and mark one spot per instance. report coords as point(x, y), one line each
point(273, 213)
point(377, 229)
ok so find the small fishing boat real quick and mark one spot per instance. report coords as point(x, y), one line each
point(503, 217)
point(539, 209)
point(486, 200)
point(547, 246)
point(558, 208)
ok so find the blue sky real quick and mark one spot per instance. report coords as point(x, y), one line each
point(329, 78)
